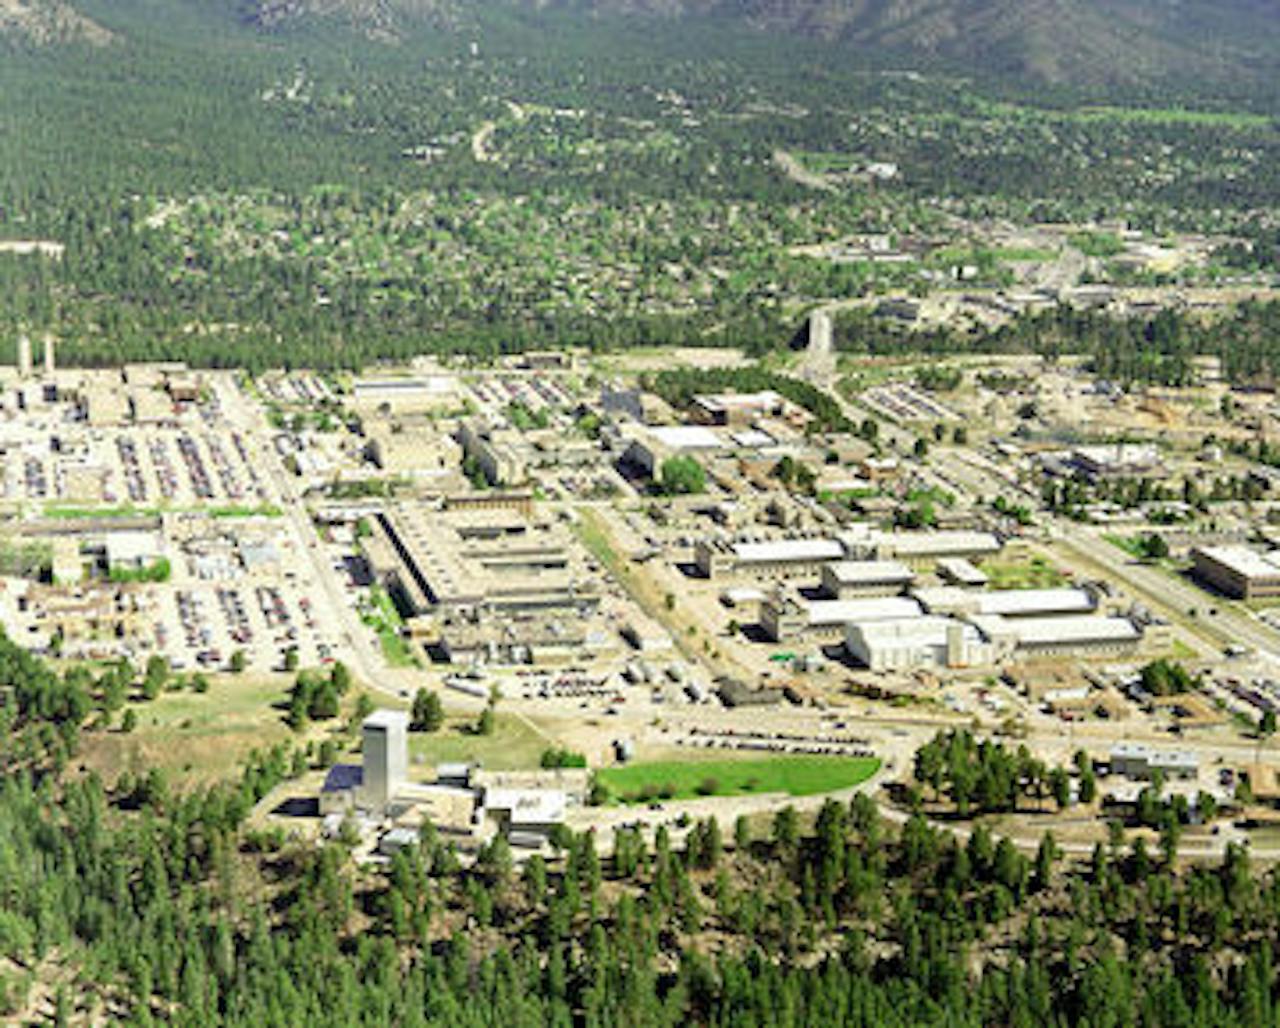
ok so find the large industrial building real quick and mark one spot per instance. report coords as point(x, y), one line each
point(780, 558)
point(851, 579)
point(1067, 635)
point(905, 644)
point(919, 548)
point(487, 584)
point(1238, 571)
point(783, 619)
point(738, 408)
point(1010, 603)
point(476, 559)
point(788, 558)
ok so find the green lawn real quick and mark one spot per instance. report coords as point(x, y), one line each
point(796, 776)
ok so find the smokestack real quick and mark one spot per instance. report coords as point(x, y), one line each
point(24, 356)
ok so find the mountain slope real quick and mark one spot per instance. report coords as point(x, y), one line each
point(1083, 42)
point(44, 22)
point(1090, 43)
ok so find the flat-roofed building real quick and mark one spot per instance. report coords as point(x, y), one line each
point(919, 548)
point(133, 551)
point(1238, 571)
point(848, 579)
point(779, 558)
point(479, 559)
point(910, 643)
point(738, 408)
point(428, 392)
point(958, 571)
point(1117, 460)
point(386, 757)
point(1072, 634)
point(526, 816)
point(494, 452)
point(1135, 760)
point(1010, 603)
point(652, 446)
point(783, 620)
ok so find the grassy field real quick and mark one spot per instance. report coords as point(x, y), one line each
point(1149, 115)
point(796, 776)
point(380, 614)
point(266, 510)
point(591, 533)
point(514, 745)
point(1037, 573)
point(826, 163)
point(195, 737)
point(1131, 544)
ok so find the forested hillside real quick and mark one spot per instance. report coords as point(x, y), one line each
point(128, 901)
point(1083, 42)
point(306, 195)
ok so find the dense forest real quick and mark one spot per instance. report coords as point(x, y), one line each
point(303, 197)
point(130, 901)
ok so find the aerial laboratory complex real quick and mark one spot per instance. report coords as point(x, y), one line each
point(631, 538)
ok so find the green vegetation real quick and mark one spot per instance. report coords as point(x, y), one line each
point(1098, 244)
point(987, 777)
point(682, 476)
point(158, 570)
point(513, 745)
point(180, 905)
point(427, 714)
point(795, 776)
point(679, 386)
point(1166, 678)
point(25, 559)
point(380, 613)
point(562, 758)
point(1150, 547)
point(1036, 573)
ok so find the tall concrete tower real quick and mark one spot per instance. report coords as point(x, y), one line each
point(50, 361)
point(24, 356)
point(820, 331)
point(386, 757)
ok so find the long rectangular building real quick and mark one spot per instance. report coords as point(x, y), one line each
point(780, 558)
point(1073, 634)
point(786, 620)
point(1238, 571)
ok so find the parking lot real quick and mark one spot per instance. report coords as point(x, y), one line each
point(151, 467)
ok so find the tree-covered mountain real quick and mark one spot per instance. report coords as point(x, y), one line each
point(1090, 43)
point(1086, 42)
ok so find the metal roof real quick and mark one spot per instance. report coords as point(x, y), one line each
point(1243, 561)
point(881, 608)
point(788, 549)
point(864, 572)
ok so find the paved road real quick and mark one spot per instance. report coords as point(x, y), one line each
point(1169, 591)
point(357, 648)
